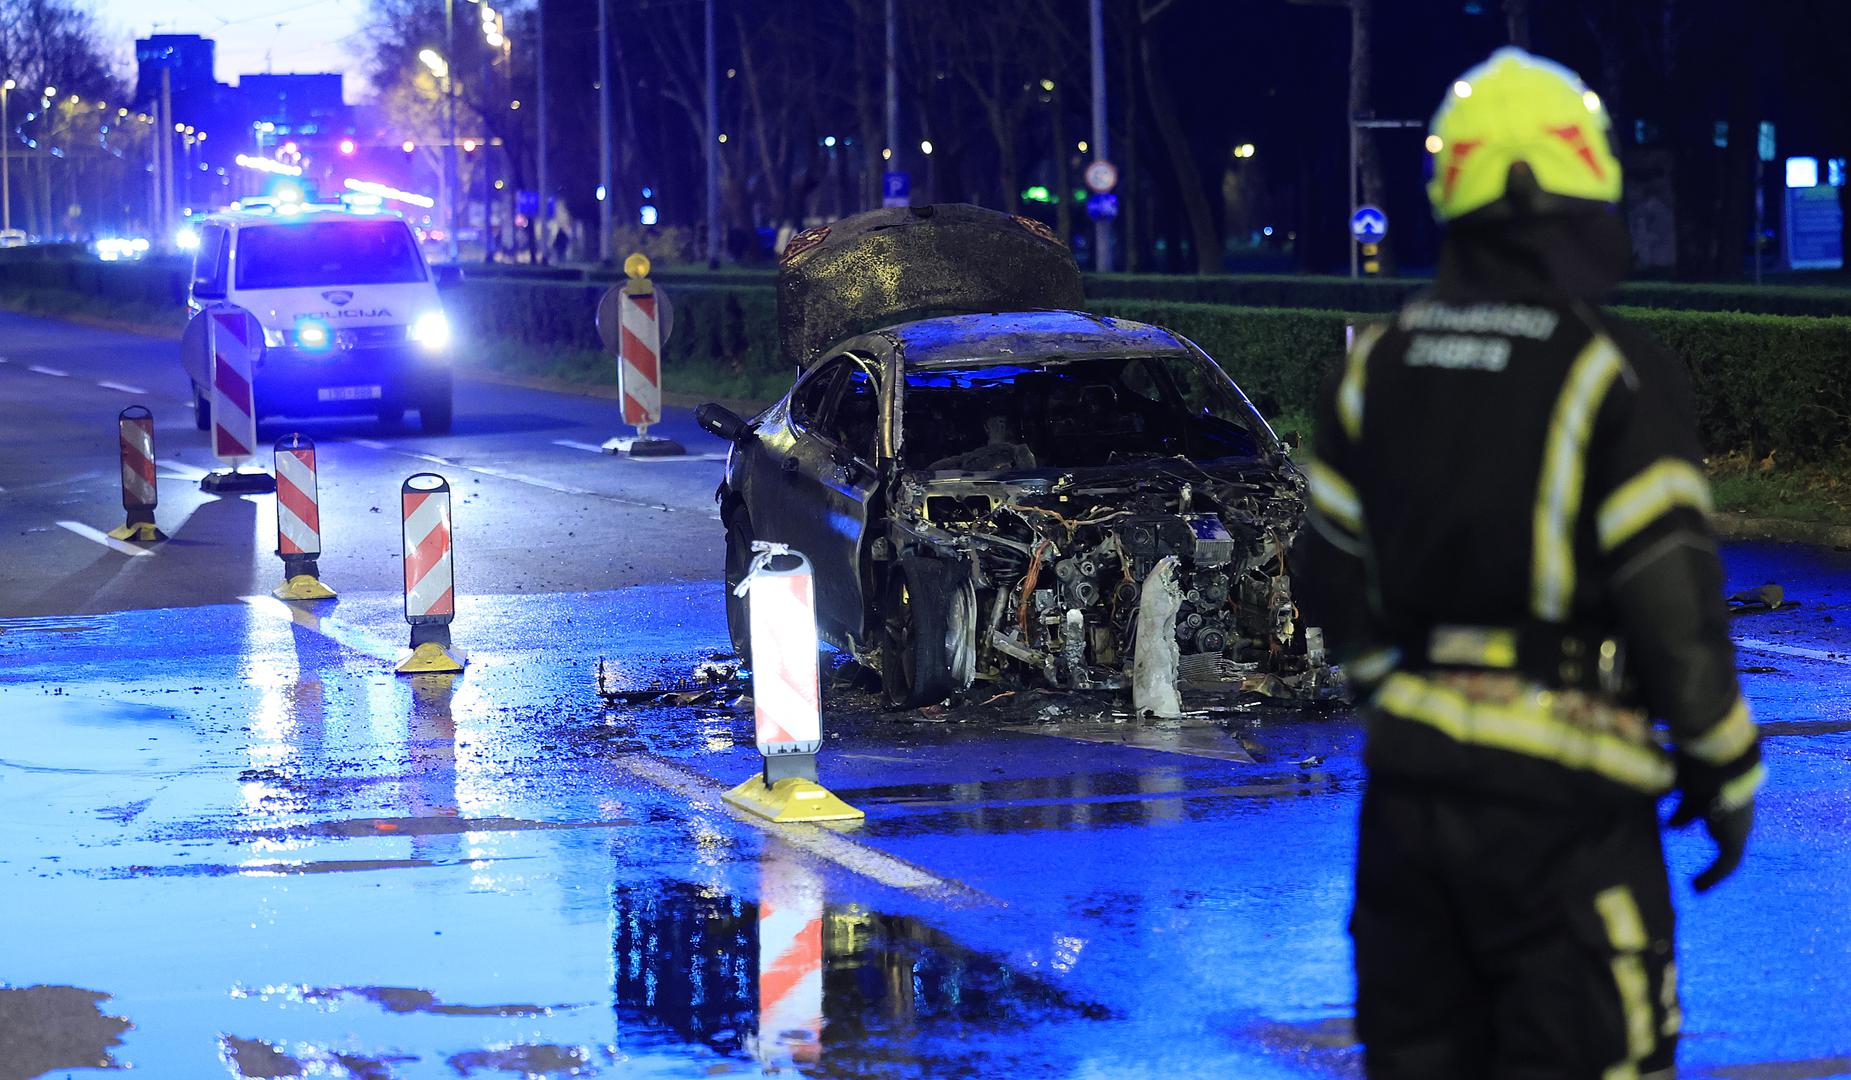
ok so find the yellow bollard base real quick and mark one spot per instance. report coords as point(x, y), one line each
point(139, 531)
point(428, 658)
point(790, 800)
point(303, 587)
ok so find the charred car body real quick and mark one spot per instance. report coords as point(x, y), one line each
point(989, 484)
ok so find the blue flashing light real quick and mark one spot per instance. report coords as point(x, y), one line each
point(646, 214)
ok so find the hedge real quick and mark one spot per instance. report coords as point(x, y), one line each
point(1377, 295)
point(1764, 382)
point(1322, 292)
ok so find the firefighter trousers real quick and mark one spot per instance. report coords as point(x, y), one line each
point(1499, 940)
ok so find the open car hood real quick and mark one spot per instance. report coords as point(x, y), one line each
point(889, 266)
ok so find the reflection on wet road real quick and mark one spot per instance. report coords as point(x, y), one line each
point(263, 852)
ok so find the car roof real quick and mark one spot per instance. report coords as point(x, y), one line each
point(298, 212)
point(1003, 335)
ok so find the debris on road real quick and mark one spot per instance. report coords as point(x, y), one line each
point(1761, 600)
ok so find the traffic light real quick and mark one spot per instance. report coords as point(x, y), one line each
point(348, 147)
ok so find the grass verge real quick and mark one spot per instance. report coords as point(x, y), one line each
point(1807, 491)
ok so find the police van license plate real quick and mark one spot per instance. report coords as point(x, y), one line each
point(348, 393)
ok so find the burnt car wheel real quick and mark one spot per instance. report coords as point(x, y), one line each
point(926, 616)
point(738, 561)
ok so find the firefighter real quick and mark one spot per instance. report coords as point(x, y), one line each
point(1509, 551)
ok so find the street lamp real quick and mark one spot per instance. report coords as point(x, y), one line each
point(6, 159)
point(440, 68)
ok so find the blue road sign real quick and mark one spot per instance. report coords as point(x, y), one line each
point(1368, 225)
point(896, 188)
point(1102, 207)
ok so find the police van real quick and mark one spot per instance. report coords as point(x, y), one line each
point(351, 318)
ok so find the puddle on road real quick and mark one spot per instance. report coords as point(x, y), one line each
point(832, 990)
point(43, 1028)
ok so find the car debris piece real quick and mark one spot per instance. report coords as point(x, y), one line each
point(1761, 600)
point(1153, 669)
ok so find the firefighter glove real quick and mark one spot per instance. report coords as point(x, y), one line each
point(1724, 800)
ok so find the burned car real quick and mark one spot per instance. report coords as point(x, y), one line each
point(992, 486)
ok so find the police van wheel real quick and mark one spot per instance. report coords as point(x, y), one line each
point(434, 416)
point(924, 614)
point(738, 561)
point(202, 412)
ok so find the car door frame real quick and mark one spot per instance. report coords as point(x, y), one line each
point(824, 507)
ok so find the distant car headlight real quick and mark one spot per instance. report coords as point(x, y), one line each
point(431, 330)
point(273, 339)
point(187, 239)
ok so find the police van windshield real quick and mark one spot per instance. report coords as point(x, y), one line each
point(1066, 414)
point(295, 254)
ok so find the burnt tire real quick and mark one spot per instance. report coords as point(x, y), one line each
point(926, 613)
point(738, 561)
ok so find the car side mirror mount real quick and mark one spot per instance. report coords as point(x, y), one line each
point(718, 420)
point(447, 275)
point(203, 290)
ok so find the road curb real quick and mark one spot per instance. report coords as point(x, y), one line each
point(1781, 530)
point(744, 406)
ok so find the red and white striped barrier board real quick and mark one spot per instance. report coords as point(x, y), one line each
point(298, 508)
point(786, 697)
point(430, 582)
point(138, 485)
point(236, 340)
point(790, 963)
point(298, 520)
point(639, 371)
point(430, 589)
point(782, 620)
point(140, 493)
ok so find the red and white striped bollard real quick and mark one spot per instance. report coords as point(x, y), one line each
point(298, 520)
point(235, 340)
point(786, 691)
point(140, 493)
point(430, 578)
point(634, 330)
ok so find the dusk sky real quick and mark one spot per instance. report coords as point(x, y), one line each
point(313, 36)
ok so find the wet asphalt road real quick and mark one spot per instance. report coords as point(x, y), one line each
point(232, 842)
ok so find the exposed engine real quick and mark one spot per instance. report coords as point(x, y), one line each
point(1059, 568)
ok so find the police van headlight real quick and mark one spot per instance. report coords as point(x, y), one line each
point(313, 335)
point(273, 339)
point(431, 330)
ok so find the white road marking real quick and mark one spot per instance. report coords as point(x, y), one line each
point(181, 470)
point(48, 371)
point(869, 862)
point(361, 641)
point(123, 387)
point(104, 539)
point(523, 478)
point(594, 448)
point(1828, 656)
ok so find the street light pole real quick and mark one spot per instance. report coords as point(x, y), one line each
point(893, 97)
point(713, 151)
point(540, 215)
point(449, 152)
point(1102, 229)
point(6, 160)
point(604, 133)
